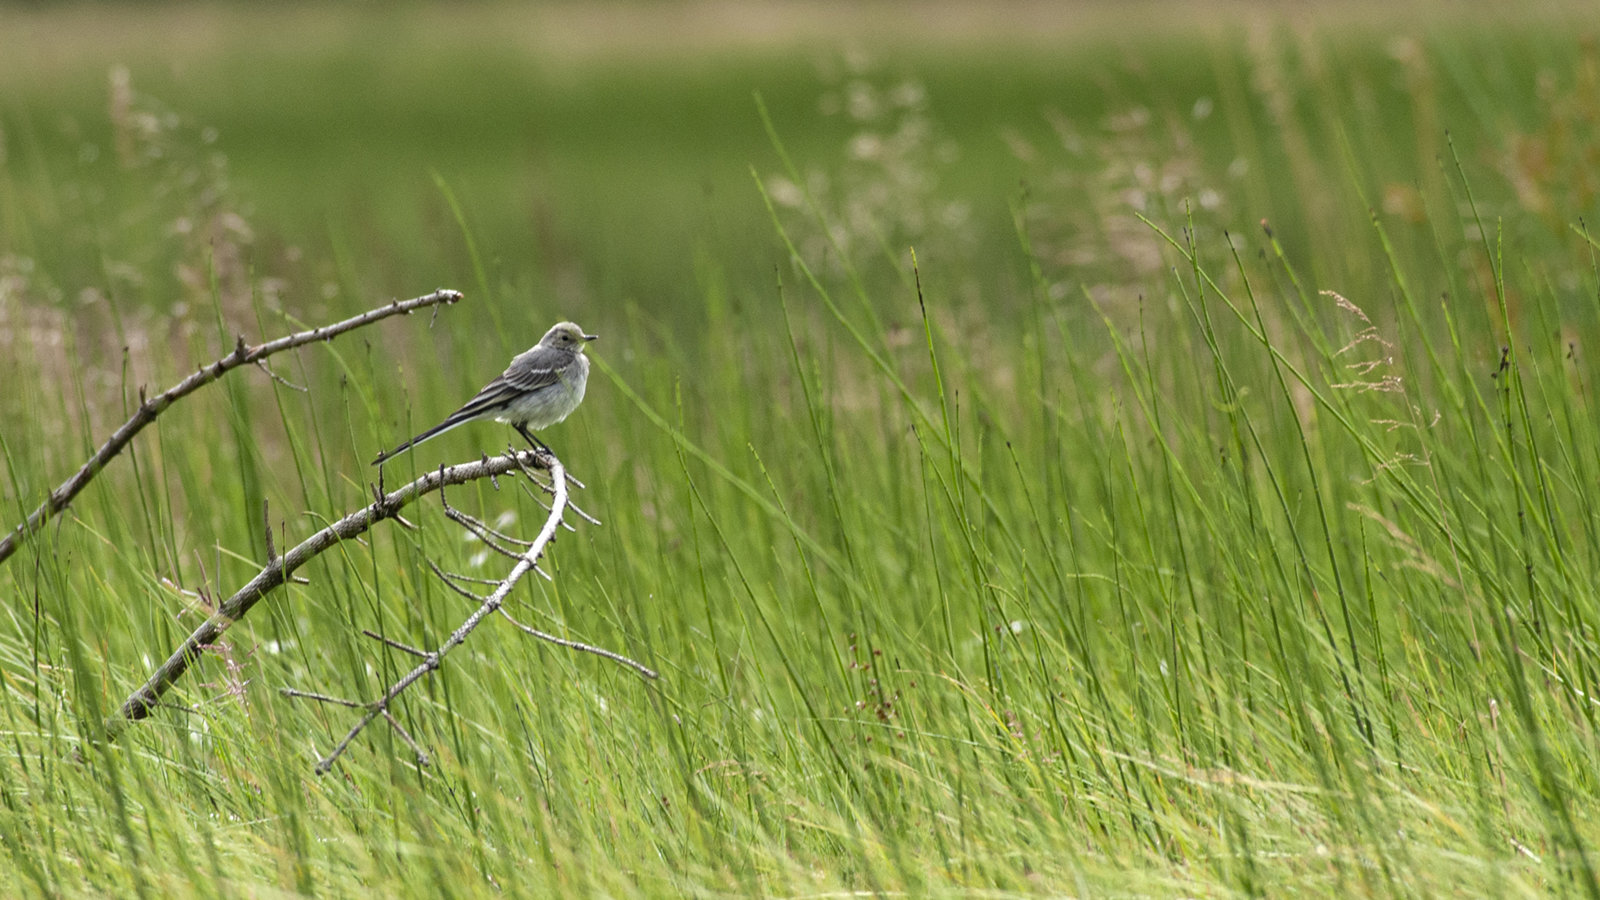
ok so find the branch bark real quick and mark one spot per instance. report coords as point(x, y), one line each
point(242, 355)
point(276, 572)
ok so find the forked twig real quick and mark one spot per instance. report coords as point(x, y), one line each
point(431, 661)
point(149, 408)
point(384, 506)
point(422, 755)
point(533, 477)
point(491, 537)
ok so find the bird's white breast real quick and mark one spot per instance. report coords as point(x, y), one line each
point(551, 403)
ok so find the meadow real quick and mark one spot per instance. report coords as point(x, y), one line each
point(1146, 454)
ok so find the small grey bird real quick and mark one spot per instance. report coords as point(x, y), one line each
point(540, 388)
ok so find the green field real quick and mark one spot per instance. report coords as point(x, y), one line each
point(1095, 453)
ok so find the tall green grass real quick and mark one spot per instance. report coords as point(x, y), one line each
point(1113, 543)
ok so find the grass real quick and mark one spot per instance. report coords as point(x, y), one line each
point(1117, 545)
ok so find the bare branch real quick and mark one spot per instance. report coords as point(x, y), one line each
point(150, 408)
point(494, 602)
point(482, 529)
point(585, 516)
point(140, 702)
point(451, 577)
point(564, 524)
point(647, 672)
point(570, 505)
point(484, 533)
point(449, 581)
point(544, 485)
point(422, 757)
point(320, 698)
point(431, 661)
point(280, 379)
point(403, 648)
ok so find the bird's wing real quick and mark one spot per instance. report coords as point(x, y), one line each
point(535, 369)
point(529, 371)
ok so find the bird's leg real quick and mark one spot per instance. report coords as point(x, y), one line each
point(533, 441)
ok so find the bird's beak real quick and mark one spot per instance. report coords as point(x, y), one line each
point(591, 337)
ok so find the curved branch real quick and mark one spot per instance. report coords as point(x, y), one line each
point(526, 562)
point(277, 571)
point(242, 355)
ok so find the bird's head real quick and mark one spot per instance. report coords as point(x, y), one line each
point(567, 336)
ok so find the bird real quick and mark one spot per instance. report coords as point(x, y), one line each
point(542, 386)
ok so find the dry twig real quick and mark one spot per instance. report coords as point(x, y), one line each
point(149, 408)
point(526, 562)
point(384, 506)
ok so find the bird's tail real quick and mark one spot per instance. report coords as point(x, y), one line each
point(454, 419)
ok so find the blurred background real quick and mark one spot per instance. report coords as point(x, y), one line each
point(574, 160)
point(604, 153)
point(598, 151)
